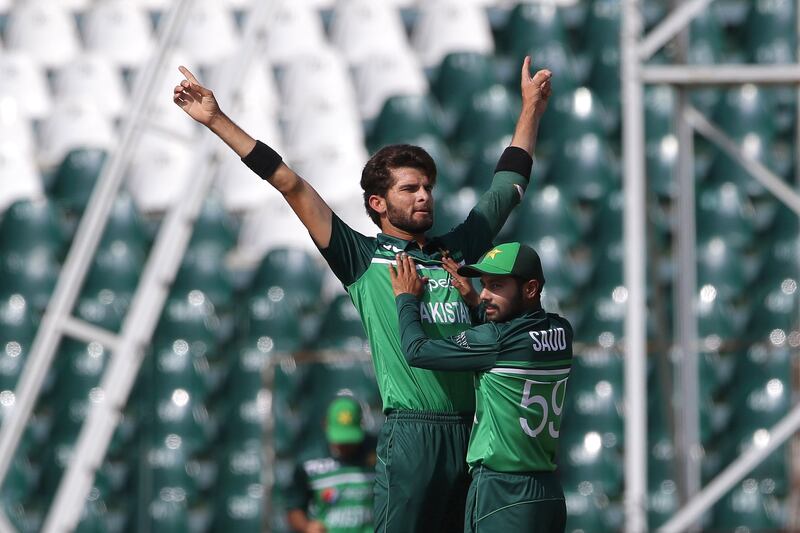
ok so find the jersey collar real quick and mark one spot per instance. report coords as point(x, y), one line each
point(395, 244)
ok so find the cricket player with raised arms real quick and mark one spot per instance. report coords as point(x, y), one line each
point(421, 475)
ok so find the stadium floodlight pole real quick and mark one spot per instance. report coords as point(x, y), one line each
point(82, 251)
point(736, 471)
point(716, 75)
point(668, 28)
point(762, 174)
point(635, 245)
point(687, 430)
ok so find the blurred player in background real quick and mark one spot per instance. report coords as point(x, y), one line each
point(421, 478)
point(334, 494)
point(522, 356)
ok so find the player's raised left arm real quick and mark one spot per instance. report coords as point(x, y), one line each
point(512, 173)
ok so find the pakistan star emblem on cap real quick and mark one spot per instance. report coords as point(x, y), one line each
point(345, 418)
point(490, 254)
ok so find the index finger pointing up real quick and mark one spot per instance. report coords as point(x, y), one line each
point(189, 76)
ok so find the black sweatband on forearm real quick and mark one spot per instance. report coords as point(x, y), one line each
point(262, 160)
point(515, 159)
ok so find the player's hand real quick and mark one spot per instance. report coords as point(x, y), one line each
point(315, 526)
point(198, 101)
point(536, 90)
point(462, 284)
point(405, 278)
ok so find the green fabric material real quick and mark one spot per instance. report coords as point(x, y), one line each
point(422, 479)
point(361, 264)
point(522, 369)
point(502, 502)
point(337, 493)
point(344, 422)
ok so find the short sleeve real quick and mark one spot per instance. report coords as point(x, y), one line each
point(349, 253)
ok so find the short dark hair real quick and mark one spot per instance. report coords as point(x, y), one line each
point(376, 178)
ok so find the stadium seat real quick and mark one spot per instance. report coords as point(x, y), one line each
point(76, 176)
point(604, 79)
point(659, 106)
point(159, 172)
point(481, 166)
point(203, 269)
point(453, 209)
point(254, 242)
point(723, 267)
point(295, 31)
point(360, 28)
point(450, 26)
point(44, 30)
point(209, 35)
point(404, 118)
point(272, 326)
point(119, 31)
point(746, 109)
point(459, 76)
point(16, 130)
point(587, 509)
point(582, 169)
point(94, 78)
point(180, 412)
point(19, 176)
point(602, 26)
point(333, 167)
point(724, 212)
point(241, 489)
point(569, 115)
point(22, 79)
point(32, 275)
point(547, 213)
point(74, 124)
point(341, 328)
point(562, 277)
point(716, 315)
point(489, 117)
point(585, 459)
point(773, 472)
point(724, 169)
point(773, 313)
point(27, 226)
point(662, 158)
point(745, 507)
point(770, 33)
point(380, 76)
point(290, 275)
point(594, 402)
point(318, 82)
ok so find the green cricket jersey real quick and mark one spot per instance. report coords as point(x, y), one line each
point(336, 493)
point(522, 368)
point(361, 264)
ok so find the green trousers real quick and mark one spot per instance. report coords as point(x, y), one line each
point(521, 502)
point(422, 478)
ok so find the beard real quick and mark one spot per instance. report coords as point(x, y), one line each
point(406, 222)
point(506, 313)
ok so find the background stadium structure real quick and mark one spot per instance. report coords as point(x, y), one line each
point(131, 240)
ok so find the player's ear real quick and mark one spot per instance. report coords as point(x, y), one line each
point(531, 289)
point(377, 203)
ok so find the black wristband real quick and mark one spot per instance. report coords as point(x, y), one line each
point(515, 159)
point(262, 160)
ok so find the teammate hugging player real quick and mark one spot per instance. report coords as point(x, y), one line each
point(421, 477)
point(522, 357)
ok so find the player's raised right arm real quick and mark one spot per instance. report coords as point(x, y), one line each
point(200, 103)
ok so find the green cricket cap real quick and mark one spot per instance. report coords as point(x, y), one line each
point(344, 421)
point(509, 259)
